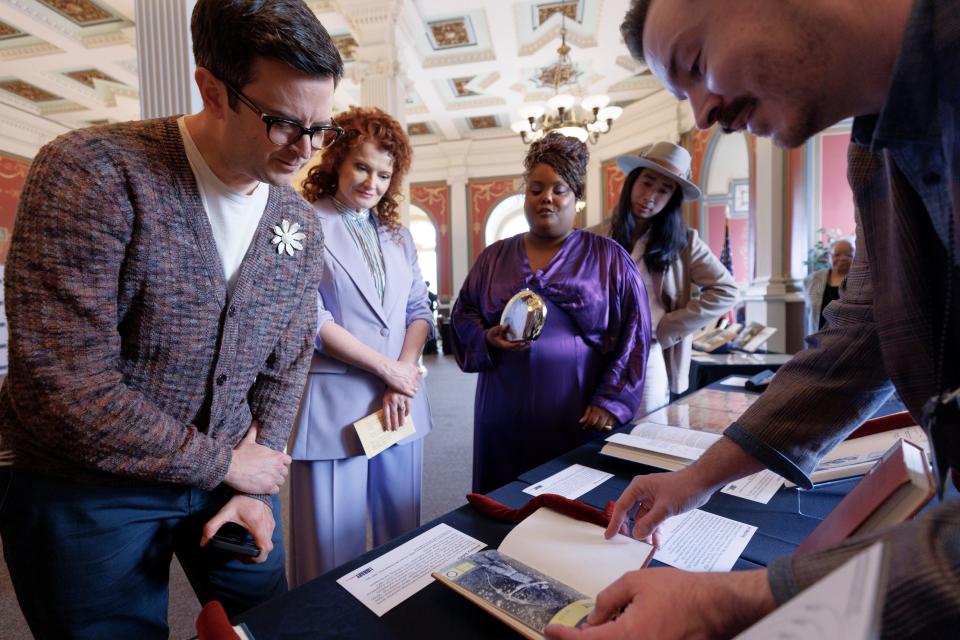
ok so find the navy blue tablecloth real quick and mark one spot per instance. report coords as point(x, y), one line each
point(323, 609)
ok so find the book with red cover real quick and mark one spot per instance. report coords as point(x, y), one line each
point(893, 491)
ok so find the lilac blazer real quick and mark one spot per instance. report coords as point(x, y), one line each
point(338, 394)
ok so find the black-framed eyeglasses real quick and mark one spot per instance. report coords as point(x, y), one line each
point(283, 131)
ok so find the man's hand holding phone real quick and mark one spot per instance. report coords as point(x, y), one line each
point(255, 516)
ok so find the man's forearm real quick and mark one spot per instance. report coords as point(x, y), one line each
point(721, 464)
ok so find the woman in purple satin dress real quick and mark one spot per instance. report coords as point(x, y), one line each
point(584, 374)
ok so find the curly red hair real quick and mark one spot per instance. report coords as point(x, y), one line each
point(364, 124)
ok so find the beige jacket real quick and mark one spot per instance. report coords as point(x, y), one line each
point(695, 289)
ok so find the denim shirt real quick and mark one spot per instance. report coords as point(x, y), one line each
point(919, 124)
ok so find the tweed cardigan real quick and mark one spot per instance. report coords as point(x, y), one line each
point(128, 362)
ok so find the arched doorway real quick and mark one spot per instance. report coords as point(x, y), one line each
point(424, 233)
point(506, 220)
point(725, 182)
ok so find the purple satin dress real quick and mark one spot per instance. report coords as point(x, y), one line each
point(593, 350)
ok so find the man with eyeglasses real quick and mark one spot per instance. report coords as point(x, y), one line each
point(161, 293)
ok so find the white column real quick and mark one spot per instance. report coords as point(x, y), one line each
point(595, 187)
point(455, 153)
point(766, 297)
point(165, 58)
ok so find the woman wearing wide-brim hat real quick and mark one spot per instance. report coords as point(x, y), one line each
point(673, 260)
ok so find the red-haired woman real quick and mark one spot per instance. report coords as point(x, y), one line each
point(374, 319)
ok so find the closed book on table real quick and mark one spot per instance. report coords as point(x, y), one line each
point(892, 492)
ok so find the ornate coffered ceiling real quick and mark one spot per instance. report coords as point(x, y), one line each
point(69, 62)
point(465, 66)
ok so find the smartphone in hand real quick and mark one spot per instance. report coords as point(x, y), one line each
point(234, 538)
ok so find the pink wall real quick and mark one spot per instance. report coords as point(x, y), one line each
point(739, 228)
point(836, 200)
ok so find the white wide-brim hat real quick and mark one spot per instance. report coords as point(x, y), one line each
point(667, 159)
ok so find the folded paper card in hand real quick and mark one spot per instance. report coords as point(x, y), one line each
point(374, 436)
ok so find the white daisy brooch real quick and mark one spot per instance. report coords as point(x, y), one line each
point(287, 237)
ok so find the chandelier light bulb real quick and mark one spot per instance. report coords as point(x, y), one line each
point(595, 102)
point(563, 101)
point(528, 111)
point(609, 113)
point(574, 132)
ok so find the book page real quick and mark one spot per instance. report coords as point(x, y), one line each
point(867, 448)
point(572, 482)
point(375, 438)
point(390, 579)
point(759, 487)
point(688, 444)
point(573, 552)
point(701, 541)
point(845, 605)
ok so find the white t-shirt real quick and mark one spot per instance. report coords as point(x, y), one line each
point(650, 280)
point(656, 385)
point(233, 216)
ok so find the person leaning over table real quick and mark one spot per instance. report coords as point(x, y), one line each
point(536, 400)
point(673, 261)
point(789, 69)
point(374, 319)
point(159, 340)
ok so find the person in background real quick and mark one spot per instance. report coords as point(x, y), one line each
point(673, 262)
point(787, 70)
point(374, 319)
point(822, 287)
point(536, 400)
point(161, 297)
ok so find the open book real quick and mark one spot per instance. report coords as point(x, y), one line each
point(673, 448)
point(843, 605)
point(892, 492)
point(712, 339)
point(548, 570)
point(752, 337)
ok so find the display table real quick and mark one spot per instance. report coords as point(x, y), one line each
point(322, 609)
point(707, 368)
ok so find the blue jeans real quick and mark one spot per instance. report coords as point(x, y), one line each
point(92, 561)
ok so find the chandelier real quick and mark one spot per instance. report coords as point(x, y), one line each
point(564, 116)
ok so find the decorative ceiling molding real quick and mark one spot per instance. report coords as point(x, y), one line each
point(87, 76)
point(458, 59)
point(81, 12)
point(8, 32)
point(110, 39)
point(569, 8)
point(631, 65)
point(449, 34)
point(483, 122)
point(553, 35)
point(347, 45)
point(476, 103)
point(29, 51)
point(28, 91)
point(459, 87)
point(418, 129)
point(557, 74)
